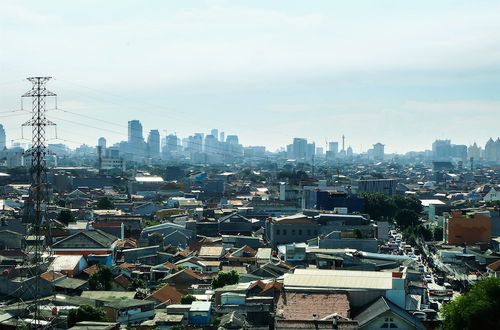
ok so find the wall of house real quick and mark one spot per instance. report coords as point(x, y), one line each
point(387, 318)
point(462, 230)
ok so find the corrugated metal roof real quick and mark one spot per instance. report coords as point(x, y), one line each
point(344, 279)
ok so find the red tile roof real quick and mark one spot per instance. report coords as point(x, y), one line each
point(91, 270)
point(494, 266)
point(167, 295)
point(123, 281)
point(51, 276)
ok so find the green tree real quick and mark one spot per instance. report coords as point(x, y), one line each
point(225, 278)
point(86, 313)
point(408, 203)
point(379, 206)
point(477, 309)
point(65, 216)
point(406, 218)
point(102, 279)
point(187, 299)
point(61, 203)
point(357, 233)
point(437, 233)
point(137, 283)
point(104, 203)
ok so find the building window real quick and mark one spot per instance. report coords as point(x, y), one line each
point(277, 232)
point(300, 231)
point(309, 232)
point(389, 323)
point(284, 232)
point(293, 232)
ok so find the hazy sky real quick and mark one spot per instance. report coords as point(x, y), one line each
point(398, 72)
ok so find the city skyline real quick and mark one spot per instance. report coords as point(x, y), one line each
point(266, 72)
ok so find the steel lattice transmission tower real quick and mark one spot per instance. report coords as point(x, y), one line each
point(38, 193)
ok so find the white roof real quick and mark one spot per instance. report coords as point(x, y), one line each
point(345, 279)
point(427, 202)
point(149, 179)
point(65, 263)
point(200, 306)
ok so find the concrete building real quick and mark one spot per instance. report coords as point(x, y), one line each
point(154, 143)
point(384, 186)
point(460, 229)
point(135, 138)
point(2, 138)
point(299, 148)
point(292, 229)
point(101, 142)
point(378, 152)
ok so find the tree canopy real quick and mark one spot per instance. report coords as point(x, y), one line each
point(104, 203)
point(102, 279)
point(225, 278)
point(65, 216)
point(477, 309)
point(187, 299)
point(86, 313)
point(137, 283)
point(406, 218)
point(380, 206)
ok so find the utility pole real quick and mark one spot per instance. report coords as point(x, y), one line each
point(38, 193)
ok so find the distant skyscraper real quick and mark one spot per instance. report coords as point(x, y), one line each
point(154, 143)
point(101, 142)
point(441, 150)
point(2, 137)
point(299, 148)
point(349, 152)
point(222, 137)
point(232, 139)
point(474, 151)
point(333, 147)
point(378, 152)
point(135, 138)
point(171, 143)
point(215, 133)
point(211, 144)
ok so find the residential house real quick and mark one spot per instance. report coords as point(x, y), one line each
point(165, 296)
point(384, 314)
point(86, 243)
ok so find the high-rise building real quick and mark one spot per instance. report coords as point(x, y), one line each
point(333, 147)
point(222, 137)
point(154, 143)
point(310, 151)
point(378, 152)
point(101, 142)
point(474, 151)
point(299, 148)
point(215, 133)
point(441, 150)
point(2, 138)
point(135, 138)
point(211, 144)
point(232, 139)
point(349, 152)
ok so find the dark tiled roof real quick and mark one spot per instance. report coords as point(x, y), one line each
point(87, 239)
point(382, 305)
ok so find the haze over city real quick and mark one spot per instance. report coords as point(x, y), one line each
point(403, 74)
